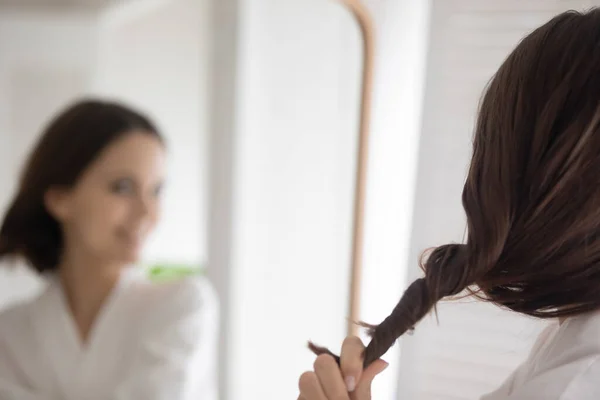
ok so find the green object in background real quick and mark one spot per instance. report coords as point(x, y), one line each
point(168, 272)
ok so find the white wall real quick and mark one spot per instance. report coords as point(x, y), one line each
point(225, 15)
point(293, 147)
point(45, 60)
point(155, 56)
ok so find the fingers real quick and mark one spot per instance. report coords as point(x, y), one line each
point(330, 377)
point(329, 381)
point(373, 370)
point(351, 361)
point(325, 383)
point(363, 390)
point(310, 388)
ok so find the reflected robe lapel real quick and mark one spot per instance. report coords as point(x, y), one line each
point(81, 369)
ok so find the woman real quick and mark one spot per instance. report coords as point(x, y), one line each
point(532, 199)
point(87, 200)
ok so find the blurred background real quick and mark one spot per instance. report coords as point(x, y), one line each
point(259, 101)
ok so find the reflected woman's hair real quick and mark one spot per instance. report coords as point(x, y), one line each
point(532, 194)
point(69, 144)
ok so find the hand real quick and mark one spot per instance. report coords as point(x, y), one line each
point(347, 382)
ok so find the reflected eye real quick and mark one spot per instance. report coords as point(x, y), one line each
point(123, 186)
point(158, 190)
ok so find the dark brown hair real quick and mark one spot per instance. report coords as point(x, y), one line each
point(70, 143)
point(532, 194)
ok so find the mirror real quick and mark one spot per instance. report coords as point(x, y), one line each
point(281, 232)
point(273, 228)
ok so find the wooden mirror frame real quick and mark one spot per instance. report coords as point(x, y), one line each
point(365, 22)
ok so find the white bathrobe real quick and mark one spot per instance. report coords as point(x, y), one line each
point(151, 341)
point(563, 365)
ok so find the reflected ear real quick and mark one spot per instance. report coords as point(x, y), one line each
point(56, 201)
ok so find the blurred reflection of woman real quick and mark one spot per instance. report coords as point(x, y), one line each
point(87, 200)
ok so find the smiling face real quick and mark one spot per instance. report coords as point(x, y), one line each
point(115, 204)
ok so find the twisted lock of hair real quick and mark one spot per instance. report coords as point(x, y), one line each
point(445, 275)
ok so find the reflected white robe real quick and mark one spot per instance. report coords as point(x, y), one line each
point(151, 341)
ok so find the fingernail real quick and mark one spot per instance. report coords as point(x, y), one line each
point(350, 383)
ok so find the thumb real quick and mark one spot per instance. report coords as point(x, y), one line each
point(363, 390)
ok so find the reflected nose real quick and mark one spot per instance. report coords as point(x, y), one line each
point(143, 206)
point(146, 209)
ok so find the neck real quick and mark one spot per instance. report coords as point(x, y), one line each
point(87, 285)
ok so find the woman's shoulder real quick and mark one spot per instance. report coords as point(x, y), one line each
point(180, 313)
point(20, 291)
point(571, 358)
point(177, 297)
point(14, 316)
point(577, 341)
point(191, 293)
point(566, 365)
point(584, 330)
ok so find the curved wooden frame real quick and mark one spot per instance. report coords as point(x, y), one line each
point(365, 22)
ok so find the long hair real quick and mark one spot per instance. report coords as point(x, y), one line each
point(532, 194)
point(70, 143)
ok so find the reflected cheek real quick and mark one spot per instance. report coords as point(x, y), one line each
point(95, 234)
point(155, 214)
